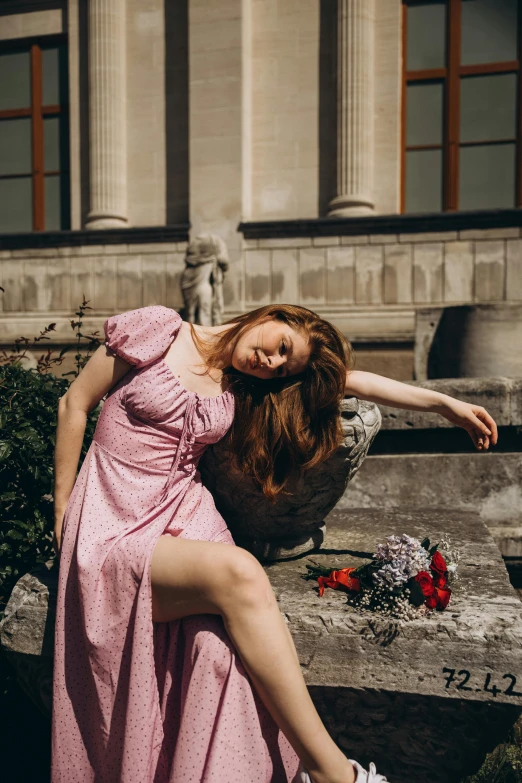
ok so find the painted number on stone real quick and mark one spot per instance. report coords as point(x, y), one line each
point(460, 681)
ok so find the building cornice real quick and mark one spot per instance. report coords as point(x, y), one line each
point(117, 236)
point(382, 224)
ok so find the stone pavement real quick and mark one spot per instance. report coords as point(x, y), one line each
point(425, 701)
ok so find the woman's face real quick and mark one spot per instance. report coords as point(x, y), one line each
point(271, 349)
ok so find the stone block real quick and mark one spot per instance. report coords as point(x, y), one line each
point(81, 279)
point(312, 271)
point(11, 279)
point(458, 272)
point(427, 272)
point(430, 236)
point(487, 484)
point(368, 274)
point(489, 271)
point(514, 270)
point(59, 283)
point(489, 233)
point(104, 283)
point(383, 239)
point(174, 266)
point(36, 293)
point(361, 239)
point(285, 276)
point(129, 283)
point(154, 280)
point(257, 277)
point(285, 242)
point(398, 271)
point(382, 686)
point(340, 275)
point(326, 241)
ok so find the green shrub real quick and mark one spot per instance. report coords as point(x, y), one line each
point(28, 418)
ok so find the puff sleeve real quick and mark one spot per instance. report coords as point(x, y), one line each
point(143, 335)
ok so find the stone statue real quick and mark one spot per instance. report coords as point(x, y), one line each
point(206, 262)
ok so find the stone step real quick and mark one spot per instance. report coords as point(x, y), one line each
point(416, 699)
point(485, 483)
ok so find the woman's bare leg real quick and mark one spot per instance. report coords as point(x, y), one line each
point(199, 577)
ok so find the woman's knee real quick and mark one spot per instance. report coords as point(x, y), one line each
point(244, 580)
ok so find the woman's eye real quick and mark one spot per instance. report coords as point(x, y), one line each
point(283, 348)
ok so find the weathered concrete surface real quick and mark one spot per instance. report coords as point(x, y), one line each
point(381, 689)
point(295, 522)
point(486, 483)
point(501, 397)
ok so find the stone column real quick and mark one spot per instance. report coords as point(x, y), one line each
point(107, 114)
point(355, 109)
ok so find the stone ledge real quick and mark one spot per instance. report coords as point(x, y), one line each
point(484, 610)
point(502, 398)
point(487, 484)
point(383, 224)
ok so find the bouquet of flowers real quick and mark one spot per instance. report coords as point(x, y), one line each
point(407, 578)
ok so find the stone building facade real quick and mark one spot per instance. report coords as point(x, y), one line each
point(306, 133)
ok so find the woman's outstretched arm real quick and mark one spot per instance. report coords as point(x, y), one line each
point(384, 391)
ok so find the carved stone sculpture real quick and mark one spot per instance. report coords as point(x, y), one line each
point(295, 522)
point(206, 262)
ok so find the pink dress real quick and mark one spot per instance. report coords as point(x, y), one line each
point(136, 701)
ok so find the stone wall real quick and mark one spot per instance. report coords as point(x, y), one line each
point(44, 285)
point(370, 286)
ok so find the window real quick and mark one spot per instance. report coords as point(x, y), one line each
point(34, 181)
point(461, 105)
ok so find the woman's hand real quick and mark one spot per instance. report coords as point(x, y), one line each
point(474, 419)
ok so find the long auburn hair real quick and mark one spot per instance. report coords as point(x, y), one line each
point(284, 425)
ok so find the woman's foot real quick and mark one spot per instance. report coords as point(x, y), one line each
point(370, 776)
point(361, 775)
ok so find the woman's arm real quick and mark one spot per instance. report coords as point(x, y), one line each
point(101, 372)
point(473, 418)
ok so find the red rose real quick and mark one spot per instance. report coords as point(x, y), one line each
point(431, 601)
point(426, 583)
point(440, 570)
point(443, 598)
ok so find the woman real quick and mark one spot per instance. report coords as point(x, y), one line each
point(163, 627)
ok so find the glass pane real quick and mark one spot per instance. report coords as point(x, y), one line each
point(51, 76)
point(489, 31)
point(424, 107)
point(15, 81)
point(15, 146)
point(52, 204)
point(426, 36)
point(16, 205)
point(488, 107)
point(424, 181)
point(51, 143)
point(487, 177)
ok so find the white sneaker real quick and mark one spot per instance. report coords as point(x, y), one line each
point(372, 776)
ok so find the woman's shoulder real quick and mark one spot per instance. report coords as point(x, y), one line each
point(142, 335)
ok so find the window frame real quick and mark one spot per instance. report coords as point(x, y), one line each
point(37, 112)
point(450, 76)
